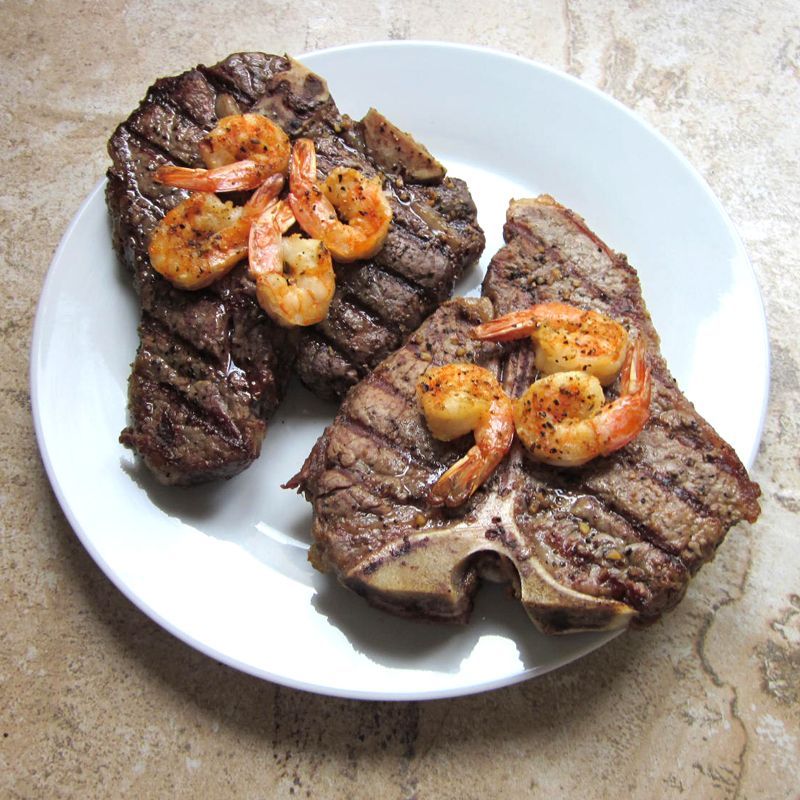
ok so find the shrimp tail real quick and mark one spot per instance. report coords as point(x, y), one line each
point(622, 421)
point(264, 243)
point(516, 325)
point(635, 378)
point(460, 481)
point(265, 195)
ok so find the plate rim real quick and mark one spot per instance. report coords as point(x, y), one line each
point(35, 356)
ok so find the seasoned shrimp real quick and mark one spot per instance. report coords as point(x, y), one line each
point(563, 419)
point(302, 294)
point(358, 199)
point(239, 176)
point(457, 399)
point(240, 153)
point(565, 338)
point(202, 238)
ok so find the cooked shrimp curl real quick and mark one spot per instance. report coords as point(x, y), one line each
point(565, 338)
point(346, 192)
point(241, 152)
point(457, 399)
point(563, 419)
point(294, 275)
point(203, 238)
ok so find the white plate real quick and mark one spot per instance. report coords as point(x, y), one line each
point(224, 566)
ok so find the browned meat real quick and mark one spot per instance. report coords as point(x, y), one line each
point(596, 547)
point(434, 236)
point(212, 367)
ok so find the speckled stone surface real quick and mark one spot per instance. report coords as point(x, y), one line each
point(97, 701)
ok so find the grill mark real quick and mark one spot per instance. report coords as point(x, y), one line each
point(201, 354)
point(356, 302)
point(204, 419)
point(577, 221)
point(197, 410)
point(414, 287)
point(620, 587)
point(386, 443)
point(417, 288)
point(342, 347)
point(437, 357)
point(441, 244)
point(222, 85)
point(377, 487)
point(590, 287)
point(547, 253)
point(236, 315)
point(435, 237)
point(207, 421)
point(642, 530)
point(315, 333)
point(388, 387)
point(692, 439)
point(149, 144)
point(647, 532)
point(396, 332)
point(688, 498)
point(156, 210)
point(169, 102)
point(517, 370)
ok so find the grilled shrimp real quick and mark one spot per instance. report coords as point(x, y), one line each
point(240, 153)
point(358, 199)
point(565, 338)
point(302, 294)
point(563, 419)
point(203, 238)
point(457, 399)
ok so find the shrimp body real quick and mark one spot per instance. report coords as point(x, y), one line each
point(563, 419)
point(457, 399)
point(247, 136)
point(203, 238)
point(358, 199)
point(294, 275)
point(565, 338)
point(241, 152)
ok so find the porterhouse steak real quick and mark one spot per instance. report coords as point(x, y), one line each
point(211, 366)
point(596, 547)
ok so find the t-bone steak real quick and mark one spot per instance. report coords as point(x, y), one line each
point(212, 367)
point(590, 548)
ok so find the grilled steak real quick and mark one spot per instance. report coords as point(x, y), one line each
point(212, 367)
point(434, 236)
point(595, 547)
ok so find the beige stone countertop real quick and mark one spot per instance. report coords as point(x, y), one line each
point(96, 700)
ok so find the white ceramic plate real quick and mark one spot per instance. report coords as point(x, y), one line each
point(224, 566)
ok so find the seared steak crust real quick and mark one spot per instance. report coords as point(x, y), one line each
point(434, 236)
point(596, 547)
point(212, 367)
